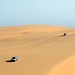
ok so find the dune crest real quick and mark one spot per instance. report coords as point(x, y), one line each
point(66, 67)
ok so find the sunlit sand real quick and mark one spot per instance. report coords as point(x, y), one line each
point(41, 50)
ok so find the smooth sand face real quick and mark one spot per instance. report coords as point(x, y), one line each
point(40, 49)
point(67, 67)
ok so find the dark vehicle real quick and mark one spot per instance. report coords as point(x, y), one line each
point(15, 58)
point(65, 34)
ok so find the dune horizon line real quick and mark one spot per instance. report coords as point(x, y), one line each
point(31, 24)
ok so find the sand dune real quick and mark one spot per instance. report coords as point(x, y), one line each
point(67, 67)
point(41, 49)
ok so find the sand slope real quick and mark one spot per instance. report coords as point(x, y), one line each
point(40, 49)
point(67, 67)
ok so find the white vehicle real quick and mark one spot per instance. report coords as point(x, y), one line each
point(15, 58)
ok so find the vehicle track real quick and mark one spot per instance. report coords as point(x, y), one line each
point(45, 39)
point(45, 46)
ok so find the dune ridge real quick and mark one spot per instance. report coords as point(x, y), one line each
point(66, 67)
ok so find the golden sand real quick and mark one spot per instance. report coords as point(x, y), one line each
point(41, 49)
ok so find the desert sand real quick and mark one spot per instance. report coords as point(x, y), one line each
point(41, 50)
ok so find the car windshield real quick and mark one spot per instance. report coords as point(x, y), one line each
point(13, 57)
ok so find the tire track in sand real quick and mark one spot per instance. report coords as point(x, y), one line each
point(59, 38)
point(56, 41)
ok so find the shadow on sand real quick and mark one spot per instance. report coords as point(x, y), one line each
point(9, 61)
point(62, 36)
